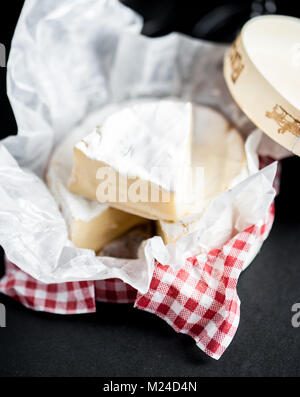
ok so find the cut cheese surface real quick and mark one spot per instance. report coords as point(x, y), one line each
point(172, 231)
point(90, 224)
point(219, 149)
point(145, 146)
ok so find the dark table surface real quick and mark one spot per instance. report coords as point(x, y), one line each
point(119, 340)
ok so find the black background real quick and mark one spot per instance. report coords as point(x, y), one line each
point(121, 341)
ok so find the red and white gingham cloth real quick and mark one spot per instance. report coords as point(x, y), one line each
point(200, 299)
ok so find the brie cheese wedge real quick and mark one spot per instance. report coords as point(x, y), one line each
point(90, 224)
point(219, 149)
point(135, 160)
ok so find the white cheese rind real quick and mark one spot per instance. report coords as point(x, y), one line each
point(146, 143)
point(146, 135)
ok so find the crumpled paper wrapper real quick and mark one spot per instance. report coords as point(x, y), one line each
point(68, 59)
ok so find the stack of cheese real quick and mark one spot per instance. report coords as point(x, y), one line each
point(90, 224)
point(138, 164)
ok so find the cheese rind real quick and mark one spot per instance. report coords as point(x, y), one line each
point(90, 224)
point(145, 144)
point(219, 149)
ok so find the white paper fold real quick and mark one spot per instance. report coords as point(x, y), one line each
point(69, 58)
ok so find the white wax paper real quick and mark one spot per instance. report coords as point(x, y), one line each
point(69, 58)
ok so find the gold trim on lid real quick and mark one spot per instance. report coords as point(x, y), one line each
point(237, 64)
point(285, 121)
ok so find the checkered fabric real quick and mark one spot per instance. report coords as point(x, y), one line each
point(114, 290)
point(199, 299)
point(65, 298)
